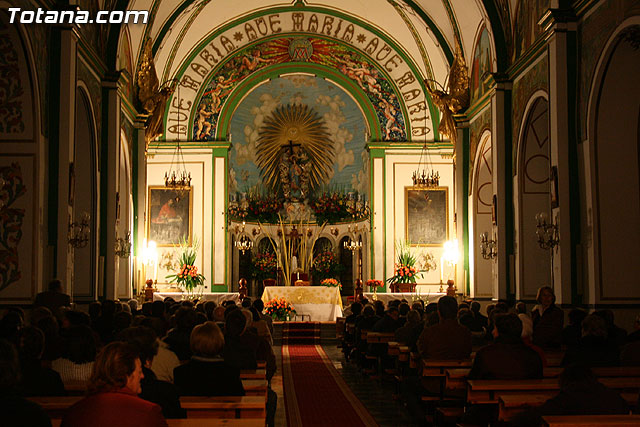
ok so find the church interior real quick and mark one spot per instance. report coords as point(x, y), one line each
point(323, 153)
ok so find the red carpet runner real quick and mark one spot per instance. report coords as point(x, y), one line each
point(314, 392)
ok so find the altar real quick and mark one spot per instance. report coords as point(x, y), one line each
point(217, 297)
point(321, 303)
point(409, 296)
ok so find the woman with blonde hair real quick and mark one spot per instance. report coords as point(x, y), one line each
point(207, 374)
point(112, 393)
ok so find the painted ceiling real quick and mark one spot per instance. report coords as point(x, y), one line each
point(399, 43)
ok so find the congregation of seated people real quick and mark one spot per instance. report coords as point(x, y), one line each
point(132, 364)
point(508, 343)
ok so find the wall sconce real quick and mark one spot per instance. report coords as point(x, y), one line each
point(334, 231)
point(78, 234)
point(255, 231)
point(123, 246)
point(488, 247)
point(546, 233)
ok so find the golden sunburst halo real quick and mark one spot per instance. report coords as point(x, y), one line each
point(301, 125)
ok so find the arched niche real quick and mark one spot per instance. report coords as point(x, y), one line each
point(613, 164)
point(481, 205)
point(85, 196)
point(533, 268)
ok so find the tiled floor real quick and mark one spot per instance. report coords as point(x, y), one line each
point(376, 397)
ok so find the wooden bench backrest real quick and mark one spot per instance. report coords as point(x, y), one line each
point(592, 420)
point(224, 407)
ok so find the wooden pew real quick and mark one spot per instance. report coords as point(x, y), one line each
point(380, 337)
point(224, 407)
point(393, 348)
point(457, 377)
point(253, 374)
point(592, 420)
point(512, 404)
point(340, 327)
point(56, 406)
point(487, 391)
point(201, 422)
point(255, 387)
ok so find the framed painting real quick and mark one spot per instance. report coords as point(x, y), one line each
point(426, 216)
point(170, 215)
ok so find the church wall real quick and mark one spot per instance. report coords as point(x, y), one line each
point(208, 181)
point(612, 228)
point(399, 166)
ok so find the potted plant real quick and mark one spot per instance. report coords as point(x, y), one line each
point(404, 270)
point(187, 276)
point(279, 309)
point(264, 266)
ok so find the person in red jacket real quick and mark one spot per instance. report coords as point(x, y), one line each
point(112, 393)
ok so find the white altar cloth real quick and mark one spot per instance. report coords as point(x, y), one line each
point(321, 303)
point(217, 297)
point(409, 296)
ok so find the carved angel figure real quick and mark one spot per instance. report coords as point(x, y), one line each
point(456, 97)
point(152, 96)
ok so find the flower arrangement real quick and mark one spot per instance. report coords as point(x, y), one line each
point(404, 270)
point(187, 276)
point(263, 208)
point(330, 207)
point(279, 308)
point(374, 284)
point(325, 265)
point(264, 266)
point(331, 283)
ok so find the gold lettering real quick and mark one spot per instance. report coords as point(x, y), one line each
point(417, 107)
point(273, 21)
point(209, 59)
point(262, 26)
point(182, 129)
point(250, 31)
point(338, 29)
point(190, 83)
point(298, 18)
point(386, 50)
point(227, 44)
point(327, 24)
point(199, 69)
point(313, 23)
point(392, 61)
point(407, 79)
point(372, 46)
point(348, 33)
point(180, 104)
point(411, 94)
point(181, 116)
point(420, 131)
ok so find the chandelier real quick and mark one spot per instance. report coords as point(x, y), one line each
point(425, 176)
point(353, 244)
point(546, 233)
point(178, 177)
point(243, 243)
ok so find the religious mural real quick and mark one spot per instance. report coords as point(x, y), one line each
point(351, 64)
point(12, 90)
point(297, 138)
point(481, 65)
point(11, 189)
point(526, 29)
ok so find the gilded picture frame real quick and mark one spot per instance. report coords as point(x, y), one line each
point(170, 215)
point(426, 219)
